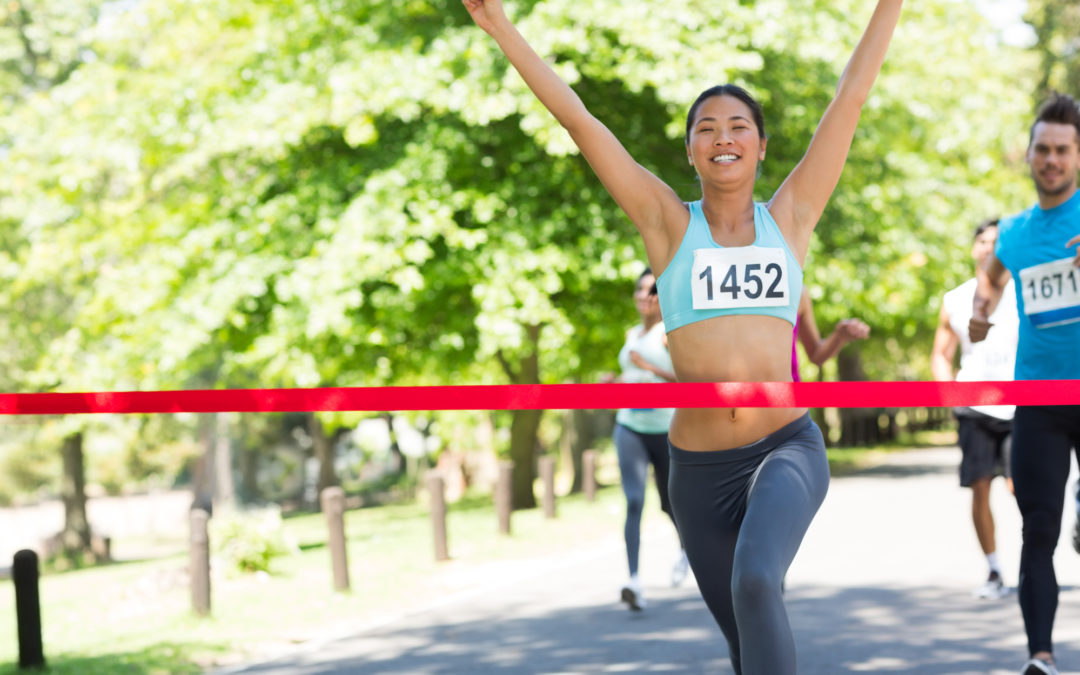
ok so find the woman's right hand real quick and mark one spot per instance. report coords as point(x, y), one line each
point(486, 13)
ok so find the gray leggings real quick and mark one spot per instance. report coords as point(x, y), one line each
point(636, 450)
point(742, 514)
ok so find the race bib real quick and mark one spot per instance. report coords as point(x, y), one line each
point(1051, 293)
point(739, 277)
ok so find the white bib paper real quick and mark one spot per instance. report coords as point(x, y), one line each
point(739, 277)
point(1051, 293)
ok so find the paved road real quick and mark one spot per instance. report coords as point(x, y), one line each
point(882, 585)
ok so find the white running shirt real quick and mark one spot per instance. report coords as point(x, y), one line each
point(994, 358)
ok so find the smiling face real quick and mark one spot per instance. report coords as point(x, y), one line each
point(724, 142)
point(1054, 157)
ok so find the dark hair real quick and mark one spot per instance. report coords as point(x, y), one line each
point(1058, 109)
point(647, 272)
point(728, 90)
point(984, 226)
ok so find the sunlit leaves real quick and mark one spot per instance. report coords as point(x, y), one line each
point(242, 192)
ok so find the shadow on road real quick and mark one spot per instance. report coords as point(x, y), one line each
point(925, 630)
point(902, 471)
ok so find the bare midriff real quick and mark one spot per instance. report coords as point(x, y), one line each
point(741, 348)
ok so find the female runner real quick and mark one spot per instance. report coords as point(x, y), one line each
point(745, 483)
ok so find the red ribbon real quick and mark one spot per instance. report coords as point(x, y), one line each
point(555, 396)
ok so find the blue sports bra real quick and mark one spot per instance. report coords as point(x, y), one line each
point(705, 279)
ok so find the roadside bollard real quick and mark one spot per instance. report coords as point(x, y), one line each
point(588, 471)
point(200, 563)
point(333, 506)
point(24, 575)
point(547, 476)
point(503, 487)
point(437, 491)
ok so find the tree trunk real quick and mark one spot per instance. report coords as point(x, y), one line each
point(324, 450)
point(582, 430)
point(202, 475)
point(395, 449)
point(852, 420)
point(524, 424)
point(75, 537)
point(249, 476)
point(567, 439)
point(523, 428)
point(224, 491)
point(818, 414)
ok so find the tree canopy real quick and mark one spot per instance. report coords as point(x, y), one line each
point(348, 192)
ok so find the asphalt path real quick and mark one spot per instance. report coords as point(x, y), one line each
point(882, 584)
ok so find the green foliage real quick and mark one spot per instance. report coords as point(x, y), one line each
point(346, 192)
point(250, 541)
point(1057, 26)
point(42, 42)
point(240, 193)
point(25, 467)
point(67, 560)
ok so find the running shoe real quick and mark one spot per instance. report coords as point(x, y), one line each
point(992, 589)
point(1039, 667)
point(632, 596)
point(680, 570)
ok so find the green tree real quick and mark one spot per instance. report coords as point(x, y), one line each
point(1057, 27)
point(42, 43)
point(246, 192)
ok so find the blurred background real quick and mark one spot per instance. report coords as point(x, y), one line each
point(280, 193)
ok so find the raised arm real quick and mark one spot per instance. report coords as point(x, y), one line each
point(801, 199)
point(645, 198)
point(991, 279)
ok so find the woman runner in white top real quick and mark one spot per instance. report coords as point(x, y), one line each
point(641, 433)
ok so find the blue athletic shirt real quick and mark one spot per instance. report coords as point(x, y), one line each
point(1031, 245)
point(705, 279)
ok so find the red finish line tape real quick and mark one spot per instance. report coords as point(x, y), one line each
point(554, 397)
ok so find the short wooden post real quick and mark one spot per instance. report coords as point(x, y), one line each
point(503, 488)
point(25, 576)
point(333, 506)
point(200, 563)
point(437, 492)
point(588, 471)
point(547, 476)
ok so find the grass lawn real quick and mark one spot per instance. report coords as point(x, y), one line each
point(135, 617)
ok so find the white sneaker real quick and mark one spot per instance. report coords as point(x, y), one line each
point(1038, 667)
point(679, 570)
point(992, 589)
point(631, 594)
